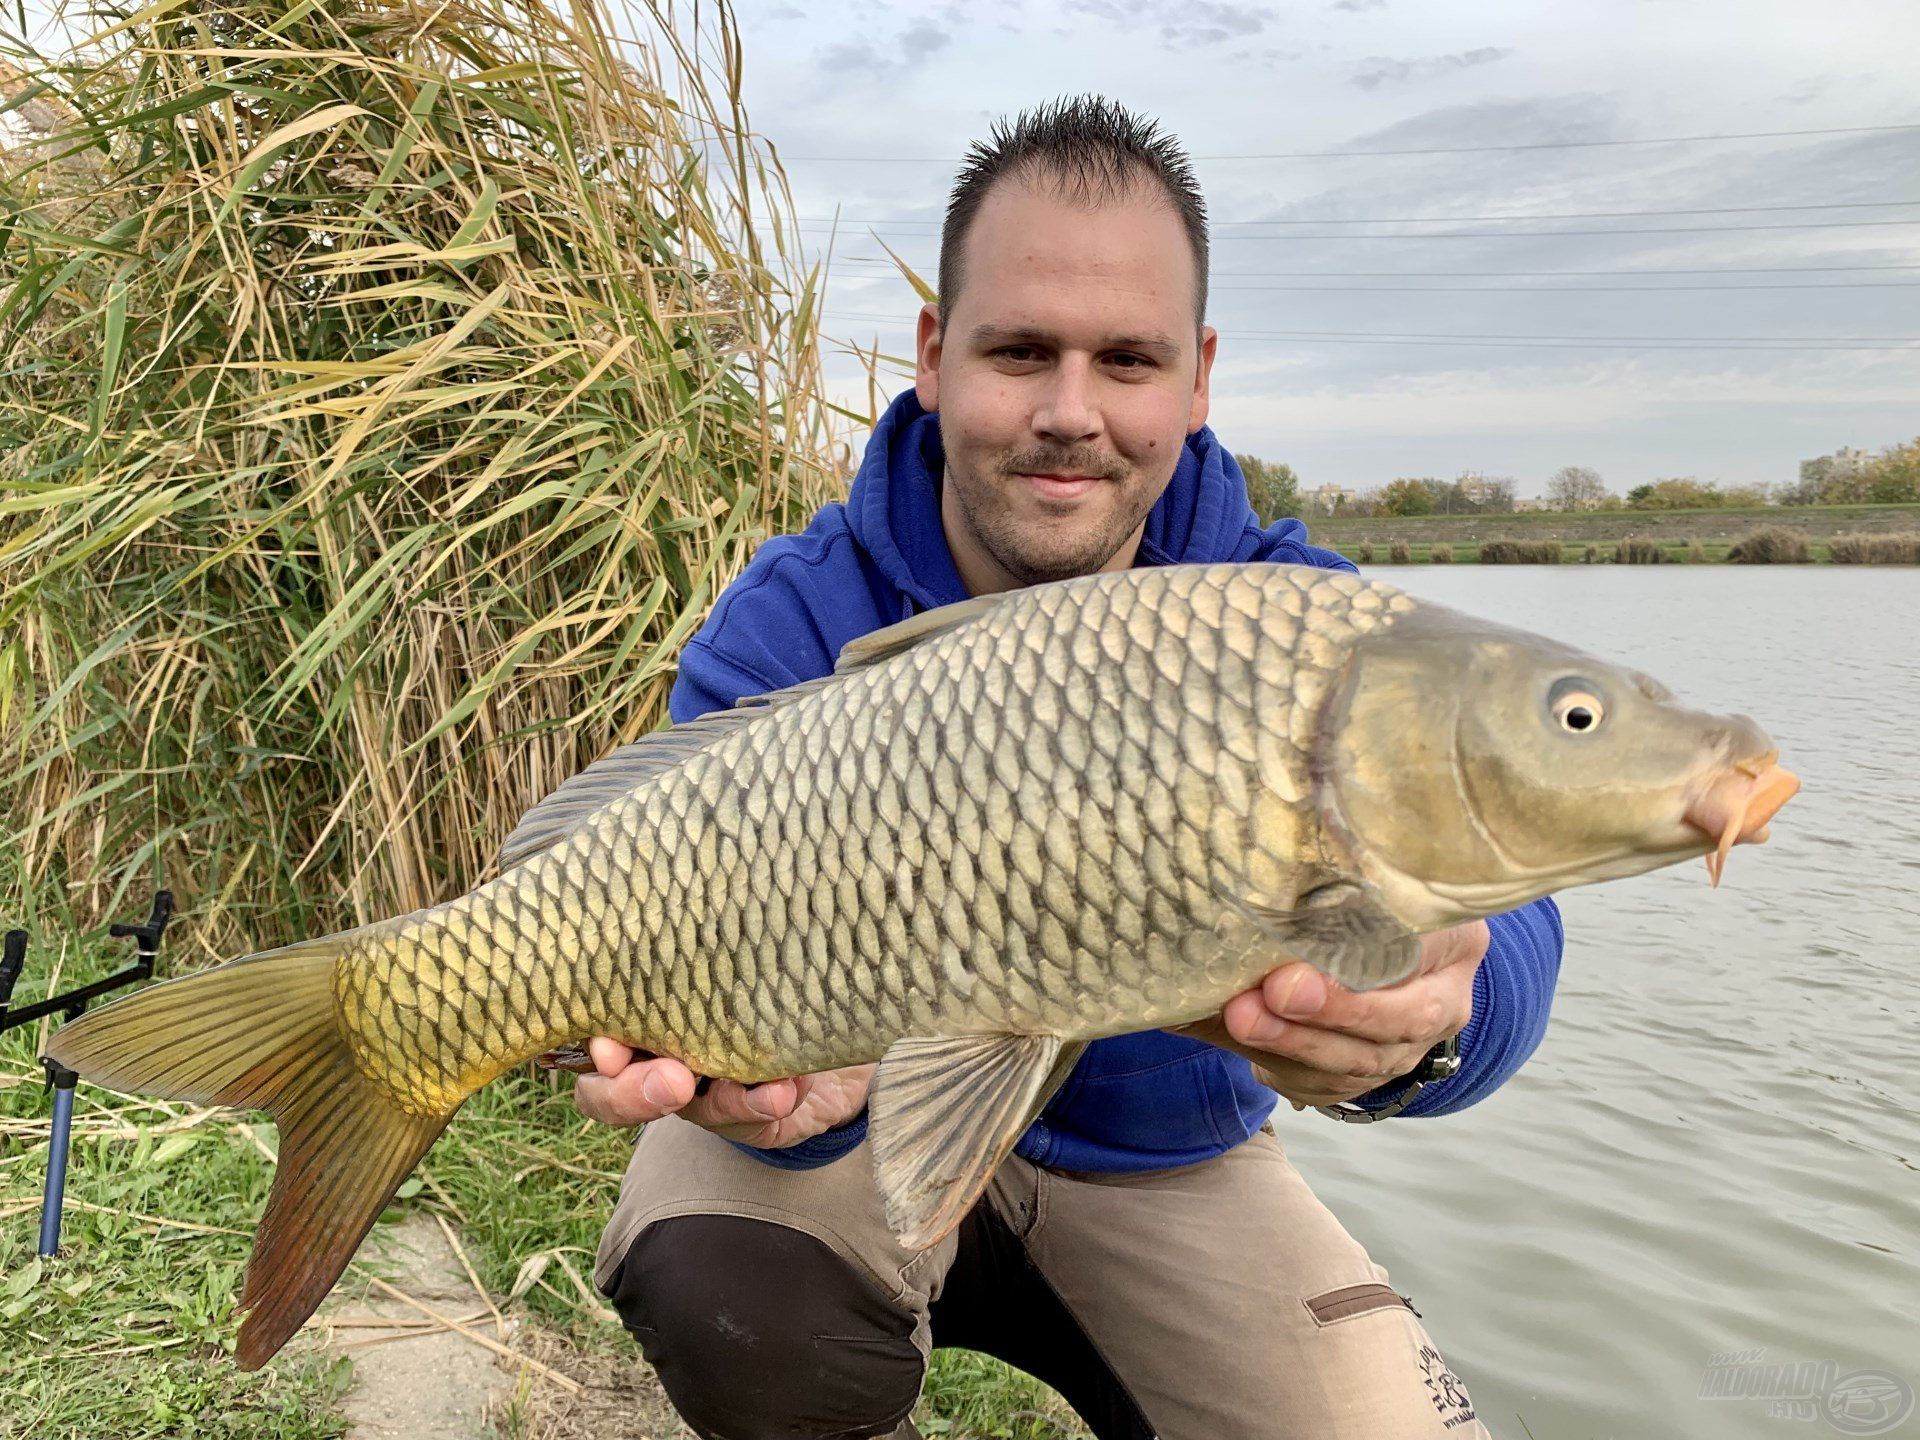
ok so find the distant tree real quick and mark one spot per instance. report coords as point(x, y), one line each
point(1806, 490)
point(1846, 486)
point(1681, 492)
point(1746, 496)
point(1406, 497)
point(1894, 476)
point(1272, 487)
point(1576, 487)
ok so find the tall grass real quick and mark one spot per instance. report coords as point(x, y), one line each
point(385, 392)
point(1520, 552)
point(1638, 550)
point(1875, 549)
point(1771, 545)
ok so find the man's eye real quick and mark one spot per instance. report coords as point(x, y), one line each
point(1126, 360)
point(1019, 354)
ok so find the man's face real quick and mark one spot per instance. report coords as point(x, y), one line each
point(1066, 379)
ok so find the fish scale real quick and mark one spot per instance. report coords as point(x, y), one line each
point(1000, 830)
point(1207, 686)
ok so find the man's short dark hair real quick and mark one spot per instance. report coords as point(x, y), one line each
point(1090, 148)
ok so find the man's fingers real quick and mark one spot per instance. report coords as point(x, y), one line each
point(1327, 1051)
point(1421, 1009)
point(609, 1056)
point(641, 1092)
point(729, 1103)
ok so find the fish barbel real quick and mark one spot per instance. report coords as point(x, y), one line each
point(998, 831)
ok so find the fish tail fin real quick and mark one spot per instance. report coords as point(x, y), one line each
point(262, 1032)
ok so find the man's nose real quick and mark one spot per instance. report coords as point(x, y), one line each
point(1067, 413)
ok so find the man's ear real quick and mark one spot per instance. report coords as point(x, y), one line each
point(1203, 379)
point(926, 358)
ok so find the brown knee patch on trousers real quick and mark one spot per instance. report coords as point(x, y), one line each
point(1351, 1300)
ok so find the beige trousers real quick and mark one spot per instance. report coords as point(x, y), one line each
point(1224, 1296)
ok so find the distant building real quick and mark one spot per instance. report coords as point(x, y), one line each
point(1843, 464)
point(1828, 475)
point(1327, 499)
point(1529, 505)
point(1478, 489)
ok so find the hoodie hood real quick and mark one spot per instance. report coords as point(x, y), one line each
point(894, 507)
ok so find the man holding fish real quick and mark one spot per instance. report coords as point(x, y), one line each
point(1148, 1250)
point(1051, 840)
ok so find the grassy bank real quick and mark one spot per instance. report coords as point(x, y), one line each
point(1715, 529)
point(128, 1332)
point(1816, 535)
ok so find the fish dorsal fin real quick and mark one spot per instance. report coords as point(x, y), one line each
point(890, 640)
point(617, 772)
point(945, 1111)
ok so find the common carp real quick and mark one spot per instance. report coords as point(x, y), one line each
point(999, 830)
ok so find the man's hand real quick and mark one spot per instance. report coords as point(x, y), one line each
point(1319, 1043)
point(771, 1115)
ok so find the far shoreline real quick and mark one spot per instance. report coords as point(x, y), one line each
point(1602, 536)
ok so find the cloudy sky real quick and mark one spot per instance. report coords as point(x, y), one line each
point(1712, 256)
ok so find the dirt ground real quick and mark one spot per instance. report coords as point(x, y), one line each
point(415, 1378)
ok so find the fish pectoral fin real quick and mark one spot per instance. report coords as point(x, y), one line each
point(944, 1113)
point(1344, 931)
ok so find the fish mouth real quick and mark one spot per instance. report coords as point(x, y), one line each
point(1735, 807)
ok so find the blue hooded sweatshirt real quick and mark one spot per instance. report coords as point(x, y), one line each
point(1135, 1102)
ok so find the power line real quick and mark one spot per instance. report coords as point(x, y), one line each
point(1562, 289)
point(1687, 339)
point(905, 222)
point(1425, 150)
point(1555, 234)
point(1758, 344)
point(1538, 289)
point(889, 266)
point(1753, 349)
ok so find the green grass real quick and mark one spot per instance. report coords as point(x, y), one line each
point(1676, 552)
point(1604, 528)
point(128, 1332)
point(123, 1333)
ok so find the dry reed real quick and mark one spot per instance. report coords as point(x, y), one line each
point(1900, 548)
point(385, 393)
point(1771, 545)
point(1520, 552)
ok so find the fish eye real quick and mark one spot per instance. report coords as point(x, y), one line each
point(1576, 707)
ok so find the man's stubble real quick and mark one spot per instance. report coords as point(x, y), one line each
point(1035, 556)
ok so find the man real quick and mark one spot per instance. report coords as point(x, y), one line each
point(1148, 1249)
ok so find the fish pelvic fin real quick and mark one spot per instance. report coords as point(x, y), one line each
point(263, 1033)
point(944, 1112)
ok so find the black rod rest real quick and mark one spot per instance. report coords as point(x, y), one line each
point(69, 1006)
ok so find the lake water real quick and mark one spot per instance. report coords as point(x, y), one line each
point(1717, 1147)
